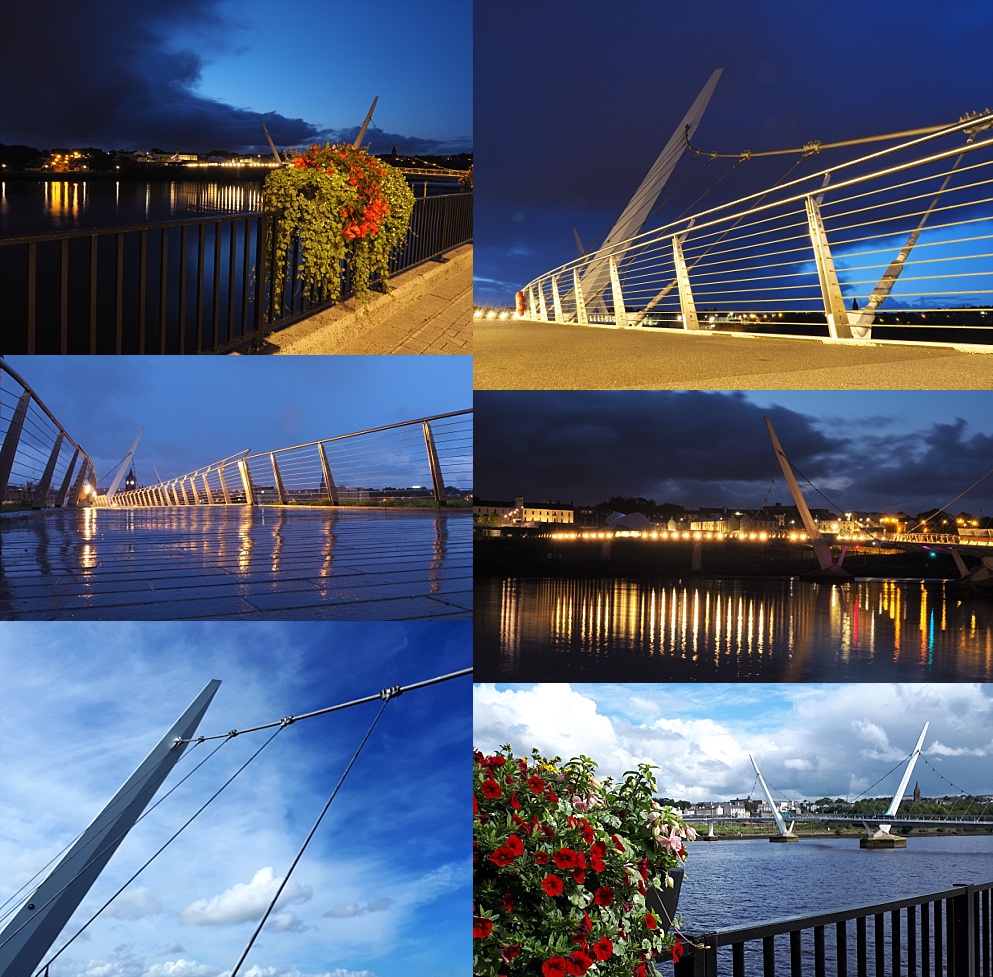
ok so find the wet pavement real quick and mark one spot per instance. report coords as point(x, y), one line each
point(236, 563)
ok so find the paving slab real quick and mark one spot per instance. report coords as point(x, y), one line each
point(427, 312)
point(528, 355)
point(235, 562)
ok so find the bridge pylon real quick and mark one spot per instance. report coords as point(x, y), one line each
point(881, 837)
point(785, 834)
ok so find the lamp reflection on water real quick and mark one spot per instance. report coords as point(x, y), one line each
point(752, 628)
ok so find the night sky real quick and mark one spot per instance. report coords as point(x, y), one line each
point(578, 102)
point(875, 451)
point(196, 410)
point(196, 75)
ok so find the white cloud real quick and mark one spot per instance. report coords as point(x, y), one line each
point(350, 909)
point(244, 902)
point(286, 922)
point(134, 904)
point(809, 740)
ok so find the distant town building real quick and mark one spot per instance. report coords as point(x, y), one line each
point(518, 513)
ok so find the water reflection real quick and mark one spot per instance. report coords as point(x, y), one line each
point(750, 629)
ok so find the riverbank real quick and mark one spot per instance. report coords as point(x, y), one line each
point(542, 556)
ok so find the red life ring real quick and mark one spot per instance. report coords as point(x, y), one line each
point(520, 303)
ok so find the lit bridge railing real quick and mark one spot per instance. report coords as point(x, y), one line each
point(40, 464)
point(900, 240)
point(428, 460)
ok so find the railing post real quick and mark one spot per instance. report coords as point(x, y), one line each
point(77, 488)
point(620, 314)
point(532, 311)
point(182, 488)
point(224, 486)
point(10, 442)
point(60, 499)
point(328, 477)
point(194, 490)
point(436, 476)
point(246, 482)
point(686, 304)
point(41, 492)
point(281, 495)
point(700, 958)
point(961, 934)
point(580, 301)
point(556, 300)
point(206, 489)
point(834, 304)
point(542, 305)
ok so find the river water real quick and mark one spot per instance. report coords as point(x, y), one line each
point(732, 629)
point(739, 883)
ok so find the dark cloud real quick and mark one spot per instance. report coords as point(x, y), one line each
point(108, 73)
point(699, 448)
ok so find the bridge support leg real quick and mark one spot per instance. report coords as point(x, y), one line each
point(328, 477)
point(246, 481)
point(620, 313)
point(60, 499)
point(280, 494)
point(437, 479)
point(686, 304)
point(532, 307)
point(556, 300)
point(11, 441)
point(542, 305)
point(580, 301)
point(834, 304)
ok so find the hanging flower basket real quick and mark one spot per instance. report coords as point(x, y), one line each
point(339, 204)
point(564, 868)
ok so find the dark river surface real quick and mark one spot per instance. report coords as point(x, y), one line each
point(731, 629)
point(740, 883)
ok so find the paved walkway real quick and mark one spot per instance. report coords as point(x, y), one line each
point(235, 563)
point(526, 355)
point(429, 311)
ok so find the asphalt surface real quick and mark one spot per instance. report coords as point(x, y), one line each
point(527, 355)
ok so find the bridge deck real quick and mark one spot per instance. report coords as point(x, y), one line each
point(218, 563)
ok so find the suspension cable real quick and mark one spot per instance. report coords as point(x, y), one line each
point(287, 720)
point(386, 695)
point(182, 828)
point(816, 146)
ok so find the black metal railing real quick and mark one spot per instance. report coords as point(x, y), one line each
point(187, 286)
point(940, 934)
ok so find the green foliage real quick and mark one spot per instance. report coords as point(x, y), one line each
point(340, 205)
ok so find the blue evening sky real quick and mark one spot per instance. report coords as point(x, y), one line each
point(809, 740)
point(196, 410)
point(383, 890)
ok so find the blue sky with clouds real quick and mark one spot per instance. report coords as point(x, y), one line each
point(809, 740)
point(197, 410)
point(383, 889)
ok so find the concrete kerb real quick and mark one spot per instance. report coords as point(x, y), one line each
point(429, 292)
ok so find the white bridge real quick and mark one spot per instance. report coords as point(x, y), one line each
point(899, 236)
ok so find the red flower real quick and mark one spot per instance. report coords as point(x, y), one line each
point(514, 802)
point(510, 951)
point(514, 844)
point(554, 967)
point(565, 858)
point(677, 950)
point(618, 844)
point(508, 903)
point(481, 927)
point(579, 962)
point(541, 858)
point(491, 788)
point(603, 949)
point(604, 896)
point(579, 876)
point(588, 834)
point(552, 885)
point(537, 785)
point(502, 856)
point(650, 921)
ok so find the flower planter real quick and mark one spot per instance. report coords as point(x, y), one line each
point(663, 901)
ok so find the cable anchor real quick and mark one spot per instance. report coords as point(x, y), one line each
point(391, 693)
point(287, 720)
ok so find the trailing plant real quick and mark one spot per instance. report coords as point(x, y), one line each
point(339, 204)
point(562, 863)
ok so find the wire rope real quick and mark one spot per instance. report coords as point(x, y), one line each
point(386, 695)
point(169, 841)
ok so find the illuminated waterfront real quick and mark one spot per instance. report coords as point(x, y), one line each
point(756, 629)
